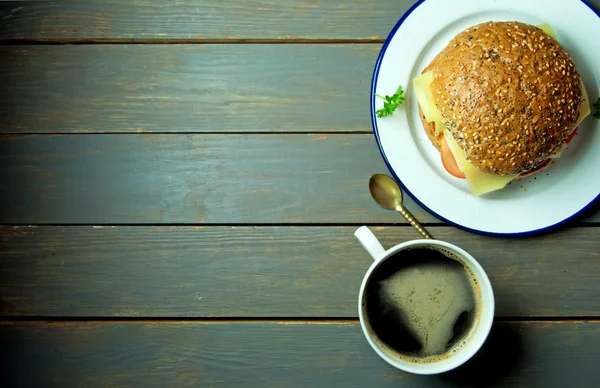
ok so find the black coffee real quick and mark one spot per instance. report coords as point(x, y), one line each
point(421, 304)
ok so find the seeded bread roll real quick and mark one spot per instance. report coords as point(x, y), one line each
point(509, 94)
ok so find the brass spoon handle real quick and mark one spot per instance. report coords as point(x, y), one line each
point(409, 217)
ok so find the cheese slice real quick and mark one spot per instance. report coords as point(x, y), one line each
point(480, 182)
point(547, 29)
point(422, 85)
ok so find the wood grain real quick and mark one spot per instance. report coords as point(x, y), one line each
point(523, 354)
point(186, 88)
point(178, 178)
point(200, 21)
point(171, 178)
point(266, 271)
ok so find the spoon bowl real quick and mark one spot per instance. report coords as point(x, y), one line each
point(387, 194)
point(385, 191)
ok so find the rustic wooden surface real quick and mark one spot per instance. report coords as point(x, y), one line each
point(184, 178)
point(194, 178)
point(224, 271)
point(200, 21)
point(281, 354)
point(186, 88)
point(179, 185)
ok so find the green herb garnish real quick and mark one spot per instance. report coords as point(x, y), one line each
point(597, 107)
point(390, 103)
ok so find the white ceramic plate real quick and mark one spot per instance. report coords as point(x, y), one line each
point(524, 207)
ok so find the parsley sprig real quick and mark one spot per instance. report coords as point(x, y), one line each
point(390, 103)
point(597, 107)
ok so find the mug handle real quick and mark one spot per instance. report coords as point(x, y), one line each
point(368, 240)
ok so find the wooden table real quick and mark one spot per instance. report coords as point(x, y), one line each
point(179, 185)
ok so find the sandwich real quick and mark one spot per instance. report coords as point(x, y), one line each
point(501, 101)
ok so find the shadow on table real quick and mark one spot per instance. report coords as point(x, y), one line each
point(3, 307)
point(496, 360)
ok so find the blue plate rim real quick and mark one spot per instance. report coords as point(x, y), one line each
point(414, 198)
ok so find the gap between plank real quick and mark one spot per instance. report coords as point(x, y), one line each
point(143, 132)
point(586, 224)
point(236, 225)
point(83, 41)
point(240, 320)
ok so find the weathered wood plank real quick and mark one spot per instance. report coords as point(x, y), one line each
point(186, 88)
point(175, 178)
point(200, 20)
point(266, 271)
point(523, 354)
point(172, 178)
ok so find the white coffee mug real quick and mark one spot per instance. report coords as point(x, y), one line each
point(479, 332)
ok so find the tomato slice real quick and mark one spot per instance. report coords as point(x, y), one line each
point(449, 162)
point(571, 136)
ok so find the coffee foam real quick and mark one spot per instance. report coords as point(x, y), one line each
point(461, 343)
